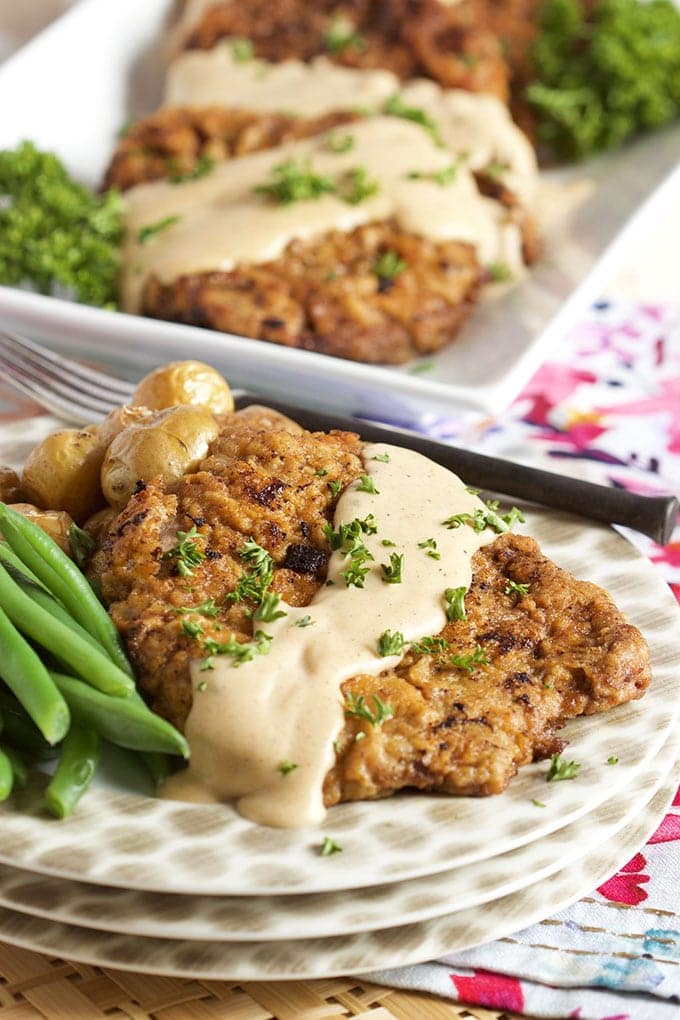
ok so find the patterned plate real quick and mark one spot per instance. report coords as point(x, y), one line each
point(253, 918)
point(348, 954)
point(120, 839)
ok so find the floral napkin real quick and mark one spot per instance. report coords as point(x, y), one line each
point(606, 406)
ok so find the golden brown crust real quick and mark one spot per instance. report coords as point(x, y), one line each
point(325, 295)
point(171, 142)
point(560, 651)
point(449, 43)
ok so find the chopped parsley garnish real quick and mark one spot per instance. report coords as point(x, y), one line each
point(469, 662)
point(192, 629)
point(203, 167)
point(429, 646)
point(186, 553)
point(202, 687)
point(359, 186)
point(441, 177)
point(499, 272)
point(392, 571)
point(207, 608)
point(515, 588)
point(359, 556)
point(208, 663)
point(342, 35)
point(359, 736)
point(148, 233)
point(295, 182)
point(242, 50)
point(358, 708)
point(391, 643)
point(454, 599)
point(537, 802)
point(304, 621)
point(329, 846)
point(321, 473)
point(430, 547)
point(335, 487)
point(240, 651)
point(488, 518)
point(388, 265)
point(561, 769)
point(253, 585)
point(421, 367)
point(471, 489)
point(340, 143)
point(396, 107)
point(268, 610)
point(612, 760)
point(384, 458)
point(348, 533)
point(388, 543)
point(366, 484)
point(286, 767)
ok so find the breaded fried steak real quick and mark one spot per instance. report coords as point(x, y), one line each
point(535, 648)
point(450, 43)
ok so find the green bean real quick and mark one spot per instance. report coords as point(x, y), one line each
point(19, 767)
point(157, 765)
point(42, 598)
point(92, 665)
point(20, 731)
point(6, 776)
point(123, 721)
point(63, 579)
point(27, 678)
point(10, 559)
point(75, 771)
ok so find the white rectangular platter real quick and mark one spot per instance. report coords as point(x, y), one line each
point(73, 87)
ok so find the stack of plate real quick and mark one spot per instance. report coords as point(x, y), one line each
point(195, 890)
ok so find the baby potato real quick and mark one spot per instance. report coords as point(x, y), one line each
point(261, 417)
point(185, 382)
point(55, 522)
point(98, 525)
point(62, 472)
point(10, 486)
point(121, 418)
point(171, 443)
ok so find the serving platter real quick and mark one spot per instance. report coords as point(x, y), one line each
point(323, 915)
point(584, 208)
point(124, 839)
point(310, 958)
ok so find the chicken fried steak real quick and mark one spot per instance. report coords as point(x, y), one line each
point(526, 658)
point(328, 295)
point(450, 43)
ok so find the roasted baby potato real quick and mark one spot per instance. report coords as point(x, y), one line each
point(185, 382)
point(98, 525)
point(121, 418)
point(171, 443)
point(266, 418)
point(10, 486)
point(62, 472)
point(55, 522)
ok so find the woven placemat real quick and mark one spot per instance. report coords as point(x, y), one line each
point(37, 987)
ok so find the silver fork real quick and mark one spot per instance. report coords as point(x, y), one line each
point(80, 395)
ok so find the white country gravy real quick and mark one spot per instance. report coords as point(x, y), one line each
point(222, 221)
point(287, 706)
point(469, 122)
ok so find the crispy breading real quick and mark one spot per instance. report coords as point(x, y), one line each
point(325, 295)
point(561, 650)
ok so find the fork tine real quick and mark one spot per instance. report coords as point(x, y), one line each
point(32, 372)
point(117, 390)
point(51, 401)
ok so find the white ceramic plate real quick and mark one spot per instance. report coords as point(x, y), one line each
point(348, 954)
point(114, 72)
point(276, 918)
point(121, 839)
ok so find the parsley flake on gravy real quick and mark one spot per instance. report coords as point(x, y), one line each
point(342, 35)
point(242, 50)
point(561, 769)
point(430, 547)
point(304, 621)
point(340, 143)
point(397, 107)
point(391, 643)
point(366, 484)
point(151, 231)
point(392, 571)
point(295, 182)
point(286, 767)
point(454, 599)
